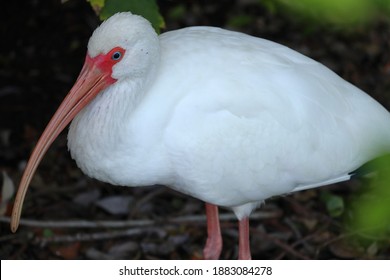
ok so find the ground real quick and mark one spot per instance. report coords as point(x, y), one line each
point(43, 48)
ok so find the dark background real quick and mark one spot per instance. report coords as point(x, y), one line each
point(43, 45)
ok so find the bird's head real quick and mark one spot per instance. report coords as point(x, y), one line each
point(123, 47)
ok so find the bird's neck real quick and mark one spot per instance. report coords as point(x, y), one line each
point(112, 107)
point(99, 135)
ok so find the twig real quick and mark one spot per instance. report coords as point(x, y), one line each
point(259, 215)
point(42, 241)
point(281, 244)
point(135, 227)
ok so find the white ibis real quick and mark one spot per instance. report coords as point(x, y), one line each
point(222, 116)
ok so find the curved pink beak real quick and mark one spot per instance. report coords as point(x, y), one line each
point(91, 81)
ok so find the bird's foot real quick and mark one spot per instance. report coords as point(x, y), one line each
point(213, 249)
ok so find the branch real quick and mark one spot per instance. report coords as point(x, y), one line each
point(259, 215)
point(42, 241)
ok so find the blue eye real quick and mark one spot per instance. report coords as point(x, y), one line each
point(116, 55)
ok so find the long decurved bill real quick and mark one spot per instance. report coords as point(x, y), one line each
point(90, 82)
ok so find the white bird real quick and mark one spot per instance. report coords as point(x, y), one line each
point(219, 115)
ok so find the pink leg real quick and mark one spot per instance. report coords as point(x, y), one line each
point(213, 247)
point(244, 251)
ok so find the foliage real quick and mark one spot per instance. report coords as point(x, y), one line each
point(334, 203)
point(146, 8)
point(333, 13)
point(336, 13)
point(371, 209)
point(97, 5)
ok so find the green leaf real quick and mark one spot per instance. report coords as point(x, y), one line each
point(240, 21)
point(48, 232)
point(334, 203)
point(97, 5)
point(146, 8)
point(335, 12)
point(372, 208)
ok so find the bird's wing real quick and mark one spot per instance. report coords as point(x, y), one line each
point(323, 183)
point(256, 119)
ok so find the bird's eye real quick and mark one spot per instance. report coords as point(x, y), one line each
point(116, 55)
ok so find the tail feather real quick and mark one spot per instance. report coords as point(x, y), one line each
point(373, 168)
point(366, 171)
point(339, 179)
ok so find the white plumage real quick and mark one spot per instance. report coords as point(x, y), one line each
point(222, 116)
